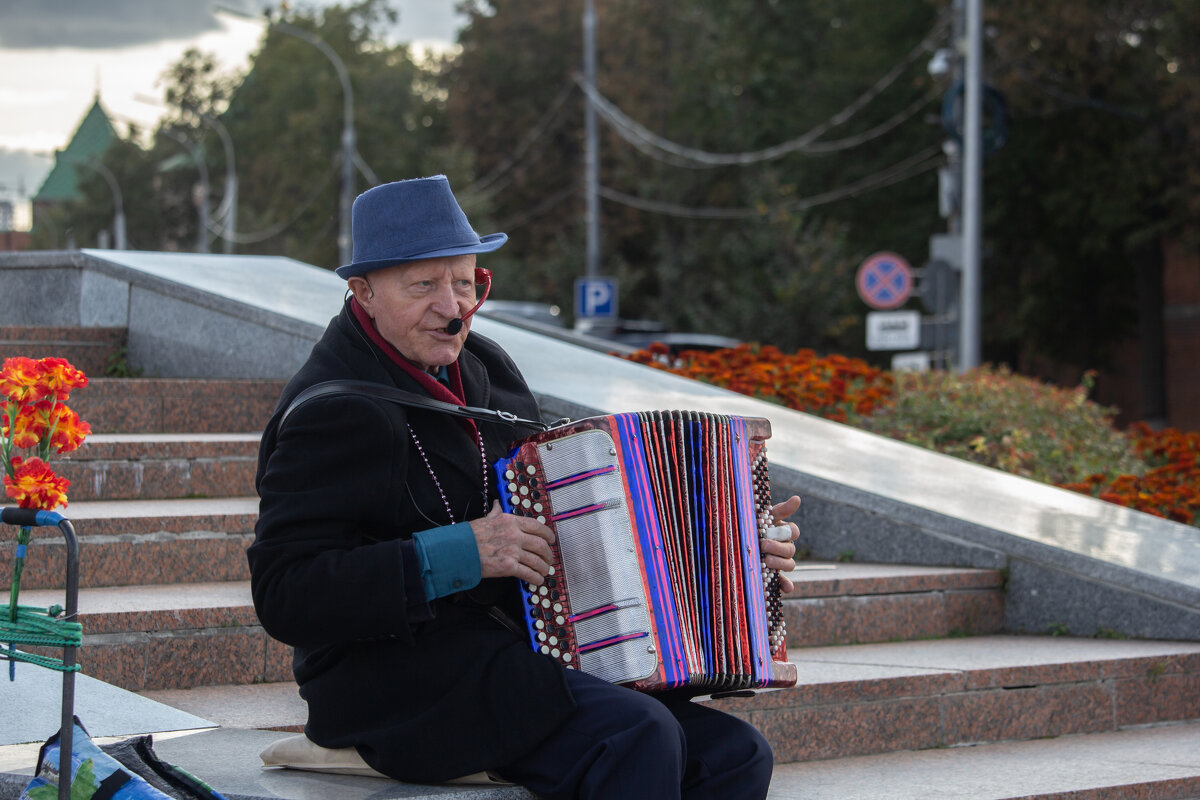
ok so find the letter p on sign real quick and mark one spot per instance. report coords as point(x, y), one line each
point(596, 297)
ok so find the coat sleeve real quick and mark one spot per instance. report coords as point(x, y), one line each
point(327, 564)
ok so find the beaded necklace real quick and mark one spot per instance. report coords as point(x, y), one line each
point(438, 484)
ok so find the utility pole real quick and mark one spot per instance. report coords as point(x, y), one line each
point(970, 328)
point(592, 151)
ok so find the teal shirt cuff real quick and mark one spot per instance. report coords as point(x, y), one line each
point(449, 559)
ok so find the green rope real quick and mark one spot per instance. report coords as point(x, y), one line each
point(39, 627)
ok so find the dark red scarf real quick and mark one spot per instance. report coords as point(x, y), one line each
point(438, 390)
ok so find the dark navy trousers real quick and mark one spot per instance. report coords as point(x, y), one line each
point(625, 745)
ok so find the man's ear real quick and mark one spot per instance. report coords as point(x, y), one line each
point(362, 291)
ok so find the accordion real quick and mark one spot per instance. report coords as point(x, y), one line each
point(657, 580)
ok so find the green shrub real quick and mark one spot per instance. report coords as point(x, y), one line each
point(1014, 423)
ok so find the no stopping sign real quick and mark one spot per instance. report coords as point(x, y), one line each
point(884, 280)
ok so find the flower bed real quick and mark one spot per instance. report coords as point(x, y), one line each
point(987, 415)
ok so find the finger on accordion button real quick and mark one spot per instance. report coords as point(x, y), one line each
point(780, 533)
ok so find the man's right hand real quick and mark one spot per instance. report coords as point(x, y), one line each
point(513, 546)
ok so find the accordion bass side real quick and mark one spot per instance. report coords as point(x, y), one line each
point(657, 580)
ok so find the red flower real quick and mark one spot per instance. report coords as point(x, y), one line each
point(35, 485)
point(20, 380)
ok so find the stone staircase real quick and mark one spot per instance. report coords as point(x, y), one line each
point(903, 664)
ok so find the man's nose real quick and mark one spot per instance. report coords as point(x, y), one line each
point(446, 302)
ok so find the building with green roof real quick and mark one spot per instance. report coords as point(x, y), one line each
point(93, 136)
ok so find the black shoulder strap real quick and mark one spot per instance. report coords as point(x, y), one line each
point(401, 397)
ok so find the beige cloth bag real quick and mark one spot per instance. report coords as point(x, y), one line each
point(298, 752)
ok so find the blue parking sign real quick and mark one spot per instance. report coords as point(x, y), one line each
point(595, 297)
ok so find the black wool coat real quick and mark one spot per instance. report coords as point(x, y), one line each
point(341, 489)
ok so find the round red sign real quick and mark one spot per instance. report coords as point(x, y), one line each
point(884, 280)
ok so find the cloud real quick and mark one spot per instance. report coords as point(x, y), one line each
point(101, 24)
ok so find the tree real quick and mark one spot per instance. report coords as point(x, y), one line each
point(1096, 176)
point(712, 247)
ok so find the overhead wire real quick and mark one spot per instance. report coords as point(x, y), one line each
point(916, 164)
point(536, 132)
point(672, 152)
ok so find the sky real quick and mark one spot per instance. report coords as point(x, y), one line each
point(55, 55)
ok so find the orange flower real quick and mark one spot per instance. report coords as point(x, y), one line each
point(34, 485)
point(32, 423)
point(59, 377)
point(20, 380)
point(69, 430)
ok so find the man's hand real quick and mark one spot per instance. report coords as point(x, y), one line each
point(512, 546)
point(781, 555)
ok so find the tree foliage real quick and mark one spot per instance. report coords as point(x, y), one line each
point(1101, 165)
point(743, 249)
point(1098, 173)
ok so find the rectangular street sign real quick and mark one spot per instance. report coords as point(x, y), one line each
point(893, 330)
point(918, 361)
point(596, 297)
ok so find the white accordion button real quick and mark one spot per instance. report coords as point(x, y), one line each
point(531, 469)
point(509, 474)
point(567, 657)
point(537, 507)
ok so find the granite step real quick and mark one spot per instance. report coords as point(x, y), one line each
point(137, 610)
point(886, 698)
point(173, 636)
point(848, 603)
point(176, 405)
point(92, 350)
point(124, 543)
point(156, 466)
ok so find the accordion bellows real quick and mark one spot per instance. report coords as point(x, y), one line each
point(657, 580)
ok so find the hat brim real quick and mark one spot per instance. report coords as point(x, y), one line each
point(493, 241)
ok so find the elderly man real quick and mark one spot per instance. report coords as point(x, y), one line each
point(382, 556)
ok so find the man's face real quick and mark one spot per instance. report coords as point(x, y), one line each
point(412, 303)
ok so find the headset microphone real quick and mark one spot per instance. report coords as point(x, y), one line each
point(483, 276)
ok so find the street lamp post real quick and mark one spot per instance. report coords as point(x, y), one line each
point(349, 143)
point(230, 201)
point(345, 248)
point(202, 201)
point(118, 201)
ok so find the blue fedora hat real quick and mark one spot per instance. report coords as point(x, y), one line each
point(396, 223)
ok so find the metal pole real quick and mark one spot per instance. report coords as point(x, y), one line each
point(345, 242)
point(970, 328)
point(229, 228)
point(592, 151)
point(118, 202)
point(202, 202)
